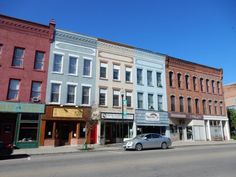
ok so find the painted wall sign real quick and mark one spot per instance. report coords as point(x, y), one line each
point(67, 112)
point(152, 116)
point(116, 116)
point(21, 107)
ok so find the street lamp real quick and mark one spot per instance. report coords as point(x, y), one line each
point(122, 114)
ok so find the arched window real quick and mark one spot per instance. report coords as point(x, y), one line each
point(172, 99)
point(189, 105)
point(181, 104)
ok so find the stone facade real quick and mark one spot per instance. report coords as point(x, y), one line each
point(195, 101)
point(230, 95)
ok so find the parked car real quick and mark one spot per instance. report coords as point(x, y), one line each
point(5, 148)
point(148, 141)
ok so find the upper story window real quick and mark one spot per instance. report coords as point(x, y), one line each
point(13, 89)
point(213, 86)
point(71, 90)
point(86, 95)
point(172, 100)
point(210, 107)
point(201, 84)
point(221, 108)
point(116, 98)
point(103, 70)
point(197, 106)
point(204, 106)
point(103, 97)
point(116, 72)
point(194, 83)
point(140, 100)
point(73, 65)
point(187, 81)
point(128, 74)
point(160, 102)
point(218, 88)
point(129, 99)
point(149, 78)
point(189, 100)
point(171, 79)
point(55, 92)
point(36, 90)
point(158, 75)
point(39, 60)
point(215, 107)
point(139, 76)
point(1, 48)
point(57, 63)
point(18, 57)
point(87, 69)
point(150, 101)
point(181, 104)
point(207, 85)
point(179, 80)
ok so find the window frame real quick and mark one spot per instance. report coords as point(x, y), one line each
point(31, 94)
point(62, 62)
point(21, 59)
point(89, 99)
point(139, 101)
point(75, 92)
point(76, 67)
point(105, 65)
point(90, 68)
point(116, 67)
point(9, 89)
point(105, 92)
point(59, 93)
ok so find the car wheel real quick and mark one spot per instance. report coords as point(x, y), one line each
point(139, 147)
point(164, 146)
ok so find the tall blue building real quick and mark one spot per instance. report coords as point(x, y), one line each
point(70, 89)
point(151, 102)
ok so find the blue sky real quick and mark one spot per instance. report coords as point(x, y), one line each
point(202, 31)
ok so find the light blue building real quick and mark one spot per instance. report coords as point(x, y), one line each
point(70, 88)
point(151, 102)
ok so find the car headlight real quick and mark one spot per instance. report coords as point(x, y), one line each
point(130, 143)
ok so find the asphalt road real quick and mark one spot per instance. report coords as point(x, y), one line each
point(201, 161)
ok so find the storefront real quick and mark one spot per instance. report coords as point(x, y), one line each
point(152, 122)
point(20, 123)
point(217, 128)
point(114, 129)
point(187, 127)
point(65, 126)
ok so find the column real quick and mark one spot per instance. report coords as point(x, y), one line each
point(209, 130)
point(221, 129)
point(227, 130)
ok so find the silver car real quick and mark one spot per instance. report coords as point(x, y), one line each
point(148, 141)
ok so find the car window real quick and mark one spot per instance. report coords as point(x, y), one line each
point(155, 136)
point(149, 136)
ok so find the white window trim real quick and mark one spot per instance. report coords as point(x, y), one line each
point(119, 99)
point(142, 76)
point(91, 66)
point(152, 83)
point(62, 62)
point(59, 99)
point(129, 93)
point(74, 84)
point(106, 96)
point(90, 87)
point(131, 74)
point(106, 70)
point(118, 68)
point(142, 99)
point(77, 64)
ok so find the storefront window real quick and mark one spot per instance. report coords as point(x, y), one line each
point(49, 129)
point(28, 132)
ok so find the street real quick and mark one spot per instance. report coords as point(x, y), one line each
point(195, 161)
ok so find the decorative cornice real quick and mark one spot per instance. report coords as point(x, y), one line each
point(18, 25)
point(146, 55)
point(116, 49)
point(75, 38)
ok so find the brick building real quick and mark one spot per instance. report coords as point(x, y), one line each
point(24, 53)
point(230, 95)
point(195, 101)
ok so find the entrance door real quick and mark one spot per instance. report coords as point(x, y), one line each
point(180, 133)
point(64, 129)
point(7, 130)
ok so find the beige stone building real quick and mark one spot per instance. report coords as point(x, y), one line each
point(115, 92)
point(230, 95)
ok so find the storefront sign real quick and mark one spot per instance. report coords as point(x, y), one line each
point(178, 115)
point(187, 116)
point(116, 116)
point(21, 107)
point(195, 116)
point(152, 116)
point(68, 112)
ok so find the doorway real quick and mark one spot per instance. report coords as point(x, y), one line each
point(63, 131)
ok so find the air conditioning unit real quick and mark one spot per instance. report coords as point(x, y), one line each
point(35, 99)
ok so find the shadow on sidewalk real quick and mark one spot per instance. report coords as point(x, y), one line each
point(14, 156)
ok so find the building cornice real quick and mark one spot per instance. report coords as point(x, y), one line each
point(23, 26)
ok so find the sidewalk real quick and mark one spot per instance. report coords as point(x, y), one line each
point(112, 147)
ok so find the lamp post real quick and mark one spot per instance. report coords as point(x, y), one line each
point(122, 114)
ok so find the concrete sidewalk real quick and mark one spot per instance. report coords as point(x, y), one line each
point(112, 147)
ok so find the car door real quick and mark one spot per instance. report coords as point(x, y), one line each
point(157, 140)
point(147, 141)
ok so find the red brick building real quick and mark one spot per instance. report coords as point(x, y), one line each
point(195, 101)
point(24, 55)
point(230, 95)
